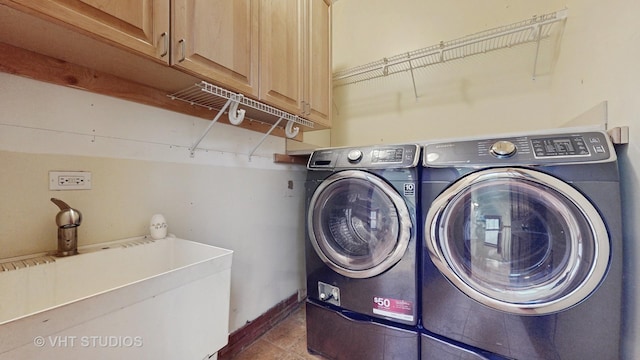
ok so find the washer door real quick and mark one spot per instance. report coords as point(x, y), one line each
point(518, 240)
point(358, 224)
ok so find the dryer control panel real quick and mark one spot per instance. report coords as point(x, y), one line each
point(551, 149)
point(379, 156)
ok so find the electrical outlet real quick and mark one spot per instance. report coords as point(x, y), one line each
point(69, 180)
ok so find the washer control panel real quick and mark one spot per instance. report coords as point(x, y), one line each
point(523, 150)
point(379, 156)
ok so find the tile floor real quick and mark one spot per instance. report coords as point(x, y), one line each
point(286, 341)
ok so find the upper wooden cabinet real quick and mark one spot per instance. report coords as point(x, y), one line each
point(217, 40)
point(141, 26)
point(275, 51)
point(317, 87)
point(295, 65)
point(281, 53)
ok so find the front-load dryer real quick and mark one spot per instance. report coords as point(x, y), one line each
point(523, 245)
point(361, 244)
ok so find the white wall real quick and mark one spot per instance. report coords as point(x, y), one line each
point(140, 164)
point(595, 61)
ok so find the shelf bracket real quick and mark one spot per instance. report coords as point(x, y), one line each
point(413, 79)
point(193, 147)
point(264, 137)
point(289, 130)
point(538, 32)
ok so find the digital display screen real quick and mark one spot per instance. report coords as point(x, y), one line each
point(387, 155)
point(560, 146)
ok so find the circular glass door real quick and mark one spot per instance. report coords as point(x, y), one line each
point(518, 240)
point(358, 224)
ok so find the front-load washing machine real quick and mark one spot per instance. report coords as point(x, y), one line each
point(523, 245)
point(361, 248)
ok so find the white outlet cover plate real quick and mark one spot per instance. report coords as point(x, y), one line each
point(69, 180)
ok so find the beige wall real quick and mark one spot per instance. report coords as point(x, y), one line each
point(595, 61)
point(140, 165)
point(477, 95)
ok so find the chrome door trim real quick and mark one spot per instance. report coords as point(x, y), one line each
point(600, 235)
point(404, 219)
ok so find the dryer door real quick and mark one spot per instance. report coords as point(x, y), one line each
point(358, 224)
point(518, 240)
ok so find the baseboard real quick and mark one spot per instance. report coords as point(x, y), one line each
point(246, 335)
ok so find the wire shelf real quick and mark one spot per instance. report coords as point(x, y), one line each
point(223, 101)
point(213, 97)
point(531, 30)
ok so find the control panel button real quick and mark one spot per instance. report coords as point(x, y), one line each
point(354, 155)
point(503, 149)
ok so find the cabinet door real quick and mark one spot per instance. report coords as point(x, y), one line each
point(317, 96)
point(217, 40)
point(281, 53)
point(142, 26)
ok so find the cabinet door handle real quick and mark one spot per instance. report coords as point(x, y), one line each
point(184, 55)
point(165, 43)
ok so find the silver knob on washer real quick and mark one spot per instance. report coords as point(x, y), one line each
point(354, 155)
point(503, 149)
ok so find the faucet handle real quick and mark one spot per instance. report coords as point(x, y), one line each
point(61, 204)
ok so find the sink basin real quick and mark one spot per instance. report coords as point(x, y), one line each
point(132, 298)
